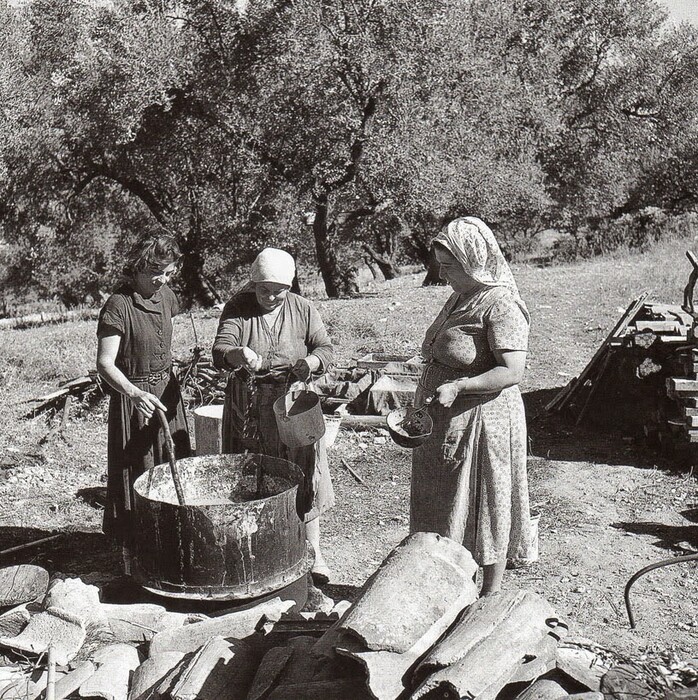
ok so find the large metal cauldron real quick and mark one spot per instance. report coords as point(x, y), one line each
point(238, 535)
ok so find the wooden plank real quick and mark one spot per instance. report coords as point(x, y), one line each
point(617, 331)
point(689, 411)
point(595, 384)
point(682, 386)
point(658, 326)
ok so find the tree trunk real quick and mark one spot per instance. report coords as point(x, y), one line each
point(326, 254)
point(424, 253)
point(371, 264)
point(385, 264)
point(433, 276)
point(195, 286)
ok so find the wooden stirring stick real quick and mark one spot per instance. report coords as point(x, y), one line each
point(169, 444)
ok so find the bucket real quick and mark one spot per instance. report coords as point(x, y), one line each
point(208, 429)
point(239, 536)
point(332, 424)
point(299, 418)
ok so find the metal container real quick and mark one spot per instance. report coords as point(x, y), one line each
point(239, 535)
point(299, 418)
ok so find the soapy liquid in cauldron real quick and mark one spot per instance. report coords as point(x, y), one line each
point(206, 484)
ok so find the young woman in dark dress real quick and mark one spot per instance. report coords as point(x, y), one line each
point(134, 358)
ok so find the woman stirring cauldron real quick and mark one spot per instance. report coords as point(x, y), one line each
point(134, 357)
point(268, 337)
point(469, 479)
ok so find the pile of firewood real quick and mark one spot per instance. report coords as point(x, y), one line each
point(642, 381)
point(416, 630)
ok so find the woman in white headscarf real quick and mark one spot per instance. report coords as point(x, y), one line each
point(266, 334)
point(469, 478)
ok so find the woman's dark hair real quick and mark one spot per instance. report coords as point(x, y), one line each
point(151, 251)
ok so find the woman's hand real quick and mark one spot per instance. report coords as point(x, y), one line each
point(244, 357)
point(447, 393)
point(305, 367)
point(146, 403)
point(301, 370)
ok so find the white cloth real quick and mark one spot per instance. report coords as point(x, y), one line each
point(273, 265)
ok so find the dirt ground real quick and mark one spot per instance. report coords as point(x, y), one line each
point(608, 504)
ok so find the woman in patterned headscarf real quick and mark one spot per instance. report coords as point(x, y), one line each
point(469, 478)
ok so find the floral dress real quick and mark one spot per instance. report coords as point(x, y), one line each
point(469, 479)
point(135, 444)
point(249, 423)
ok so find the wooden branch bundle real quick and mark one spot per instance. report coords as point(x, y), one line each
point(61, 397)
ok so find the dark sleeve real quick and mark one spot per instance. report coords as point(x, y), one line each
point(229, 334)
point(175, 307)
point(112, 317)
point(318, 340)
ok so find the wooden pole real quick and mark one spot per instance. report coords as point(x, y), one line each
point(51, 675)
point(169, 443)
point(352, 472)
point(35, 543)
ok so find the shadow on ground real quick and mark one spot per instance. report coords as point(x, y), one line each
point(554, 436)
point(341, 592)
point(682, 539)
point(73, 552)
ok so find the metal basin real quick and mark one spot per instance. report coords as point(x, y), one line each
point(238, 535)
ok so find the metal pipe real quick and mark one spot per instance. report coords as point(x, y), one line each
point(651, 567)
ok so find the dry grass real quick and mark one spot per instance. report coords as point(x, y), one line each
point(573, 306)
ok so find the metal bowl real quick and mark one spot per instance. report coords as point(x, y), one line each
point(403, 438)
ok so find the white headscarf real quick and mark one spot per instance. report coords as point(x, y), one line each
point(473, 244)
point(273, 265)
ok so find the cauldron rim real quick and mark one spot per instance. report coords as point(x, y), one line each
point(140, 485)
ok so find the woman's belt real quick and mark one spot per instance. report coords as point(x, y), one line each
point(435, 374)
point(153, 377)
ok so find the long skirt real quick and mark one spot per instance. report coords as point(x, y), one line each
point(249, 425)
point(469, 480)
point(134, 445)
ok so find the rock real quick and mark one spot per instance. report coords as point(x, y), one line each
point(236, 625)
point(151, 673)
point(51, 627)
point(110, 681)
point(22, 583)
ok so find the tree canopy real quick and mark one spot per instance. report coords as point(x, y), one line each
point(322, 125)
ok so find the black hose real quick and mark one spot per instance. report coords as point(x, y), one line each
point(641, 572)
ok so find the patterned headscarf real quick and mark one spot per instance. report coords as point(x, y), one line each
point(473, 244)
